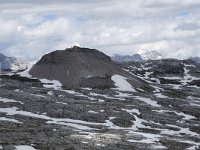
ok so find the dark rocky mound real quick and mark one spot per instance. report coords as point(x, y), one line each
point(79, 67)
point(168, 67)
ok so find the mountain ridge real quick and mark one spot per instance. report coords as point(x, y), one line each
point(142, 55)
point(126, 58)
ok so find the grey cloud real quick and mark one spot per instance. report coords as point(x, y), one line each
point(188, 26)
point(28, 29)
point(157, 4)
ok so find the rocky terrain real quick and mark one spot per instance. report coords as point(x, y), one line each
point(37, 113)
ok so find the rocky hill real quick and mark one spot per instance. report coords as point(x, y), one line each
point(80, 67)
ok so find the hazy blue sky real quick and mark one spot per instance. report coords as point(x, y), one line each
point(30, 28)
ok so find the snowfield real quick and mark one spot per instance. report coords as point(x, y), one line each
point(122, 83)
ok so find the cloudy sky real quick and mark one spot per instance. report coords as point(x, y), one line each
point(31, 28)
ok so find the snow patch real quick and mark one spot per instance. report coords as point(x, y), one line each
point(25, 73)
point(60, 121)
point(55, 84)
point(122, 83)
point(148, 101)
point(160, 95)
point(50, 93)
point(148, 138)
point(185, 116)
point(9, 120)
point(132, 111)
point(5, 100)
point(24, 147)
point(93, 112)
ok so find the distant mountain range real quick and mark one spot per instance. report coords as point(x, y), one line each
point(195, 59)
point(11, 63)
point(144, 54)
point(127, 58)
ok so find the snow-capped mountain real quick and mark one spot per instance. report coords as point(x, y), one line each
point(147, 54)
point(11, 63)
point(126, 58)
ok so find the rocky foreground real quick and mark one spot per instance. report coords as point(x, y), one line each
point(40, 114)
